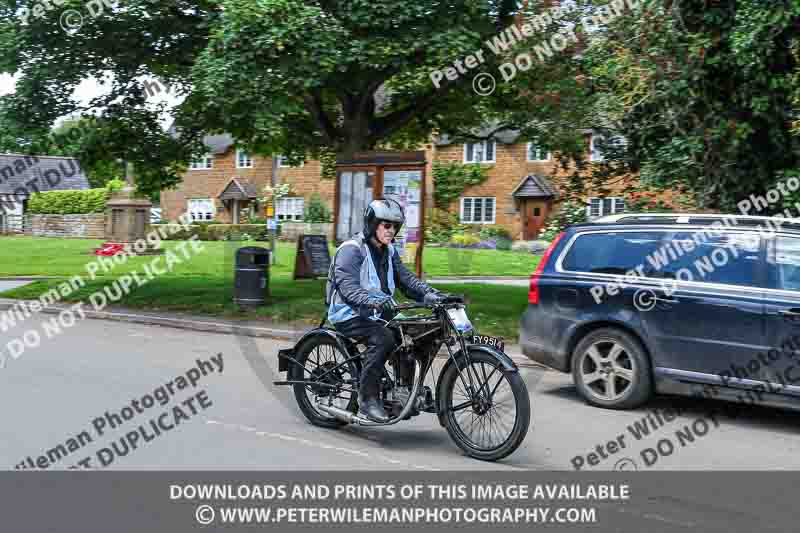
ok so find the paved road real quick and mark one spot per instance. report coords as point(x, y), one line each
point(7, 285)
point(54, 392)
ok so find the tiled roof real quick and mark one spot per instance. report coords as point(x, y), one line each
point(238, 189)
point(218, 144)
point(533, 186)
point(503, 136)
point(47, 173)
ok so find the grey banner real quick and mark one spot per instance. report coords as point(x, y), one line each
point(89, 502)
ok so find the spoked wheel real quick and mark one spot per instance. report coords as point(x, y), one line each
point(322, 361)
point(490, 422)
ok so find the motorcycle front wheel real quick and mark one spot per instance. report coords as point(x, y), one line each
point(490, 421)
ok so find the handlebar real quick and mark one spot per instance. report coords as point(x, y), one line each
point(406, 307)
point(448, 301)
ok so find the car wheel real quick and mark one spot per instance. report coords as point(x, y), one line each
point(611, 369)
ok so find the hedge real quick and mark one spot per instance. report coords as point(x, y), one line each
point(216, 232)
point(68, 202)
point(72, 202)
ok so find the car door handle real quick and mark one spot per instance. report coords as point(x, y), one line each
point(793, 313)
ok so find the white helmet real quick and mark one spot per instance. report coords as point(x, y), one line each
point(382, 209)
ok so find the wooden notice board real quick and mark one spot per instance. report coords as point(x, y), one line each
point(313, 257)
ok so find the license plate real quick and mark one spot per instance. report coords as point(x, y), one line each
point(494, 342)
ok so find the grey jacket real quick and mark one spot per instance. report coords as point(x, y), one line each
point(347, 277)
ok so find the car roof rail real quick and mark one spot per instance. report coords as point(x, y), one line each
point(694, 219)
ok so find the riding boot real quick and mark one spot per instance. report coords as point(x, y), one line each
point(369, 403)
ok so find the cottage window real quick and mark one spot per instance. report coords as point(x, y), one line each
point(243, 159)
point(201, 209)
point(596, 153)
point(537, 153)
point(480, 152)
point(599, 207)
point(283, 162)
point(204, 163)
point(290, 208)
point(477, 210)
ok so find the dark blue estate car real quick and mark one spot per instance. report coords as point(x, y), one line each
point(676, 303)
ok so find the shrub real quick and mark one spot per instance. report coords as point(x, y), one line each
point(464, 240)
point(218, 232)
point(570, 213)
point(68, 202)
point(115, 185)
point(503, 244)
point(73, 202)
point(317, 211)
point(494, 232)
point(442, 225)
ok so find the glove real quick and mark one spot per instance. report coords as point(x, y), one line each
point(432, 298)
point(388, 307)
point(384, 305)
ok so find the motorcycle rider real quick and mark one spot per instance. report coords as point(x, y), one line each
point(361, 283)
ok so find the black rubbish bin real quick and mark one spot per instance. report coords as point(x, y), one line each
point(251, 279)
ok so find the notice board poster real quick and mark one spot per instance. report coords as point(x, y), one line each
point(405, 186)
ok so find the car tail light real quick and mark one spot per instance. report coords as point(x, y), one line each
point(533, 293)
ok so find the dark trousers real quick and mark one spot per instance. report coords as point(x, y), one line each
point(380, 342)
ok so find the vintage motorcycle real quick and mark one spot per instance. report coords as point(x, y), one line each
point(479, 395)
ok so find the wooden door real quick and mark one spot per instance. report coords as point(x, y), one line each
point(534, 213)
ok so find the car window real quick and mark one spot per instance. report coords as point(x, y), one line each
point(611, 253)
point(785, 271)
point(726, 258)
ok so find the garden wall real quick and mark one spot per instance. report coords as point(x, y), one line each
point(91, 226)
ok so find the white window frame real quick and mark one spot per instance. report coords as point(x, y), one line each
point(283, 164)
point(600, 156)
point(485, 146)
point(616, 200)
point(248, 161)
point(290, 208)
point(483, 200)
point(204, 163)
point(528, 153)
point(203, 215)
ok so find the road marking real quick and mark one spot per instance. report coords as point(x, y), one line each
point(314, 444)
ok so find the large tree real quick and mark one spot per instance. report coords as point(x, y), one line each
point(282, 75)
point(706, 92)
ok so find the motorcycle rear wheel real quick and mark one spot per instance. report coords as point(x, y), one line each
point(319, 355)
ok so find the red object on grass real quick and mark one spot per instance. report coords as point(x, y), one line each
point(109, 249)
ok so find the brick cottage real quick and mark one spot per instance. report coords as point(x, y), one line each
point(523, 186)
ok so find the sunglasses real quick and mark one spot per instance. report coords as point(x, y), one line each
point(390, 225)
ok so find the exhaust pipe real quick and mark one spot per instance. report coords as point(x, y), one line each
point(346, 416)
point(350, 418)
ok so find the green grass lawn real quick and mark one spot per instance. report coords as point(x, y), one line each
point(203, 284)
